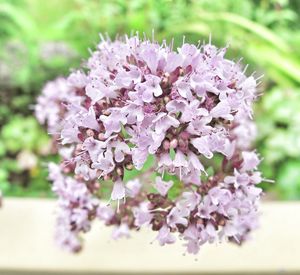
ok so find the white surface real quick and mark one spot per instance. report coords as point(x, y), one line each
point(26, 228)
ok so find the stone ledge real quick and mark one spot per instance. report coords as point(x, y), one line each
point(27, 246)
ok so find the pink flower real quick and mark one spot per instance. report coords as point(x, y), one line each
point(105, 212)
point(202, 145)
point(121, 231)
point(112, 122)
point(192, 236)
point(150, 88)
point(133, 187)
point(190, 200)
point(162, 186)
point(164, 236)
point(142, 215)
point(118, 191)
point(250, 162)
point(97, 91)
point(178, 215)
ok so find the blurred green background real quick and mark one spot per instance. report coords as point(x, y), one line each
point(40, 40)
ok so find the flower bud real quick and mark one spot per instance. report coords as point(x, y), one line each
point(166, 99)
point(101, 136)
point(173, 143)
point(120, 171)
point(107, 177)
point(129, 166)
point(90, 133)
point(166, 144)
point(106, 112)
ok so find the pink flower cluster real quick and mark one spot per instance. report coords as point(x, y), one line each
point(135, 100)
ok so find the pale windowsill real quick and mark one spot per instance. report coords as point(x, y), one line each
point(26, 228)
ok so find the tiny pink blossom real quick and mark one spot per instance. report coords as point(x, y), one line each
point(162, 186)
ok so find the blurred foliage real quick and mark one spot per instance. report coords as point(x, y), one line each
point(40, 40)
point(278, 118)
point(24, 151)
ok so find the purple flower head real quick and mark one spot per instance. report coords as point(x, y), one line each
point(162, 115)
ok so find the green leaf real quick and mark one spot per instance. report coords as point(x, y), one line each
point(259, 30)
point(132, 174)
point(172, 153)
point(289, 180)
point(23, 22)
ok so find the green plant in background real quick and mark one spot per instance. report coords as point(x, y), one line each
point(40, 40)
point(279, 141)
point(23, 149)
point(264, 31)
